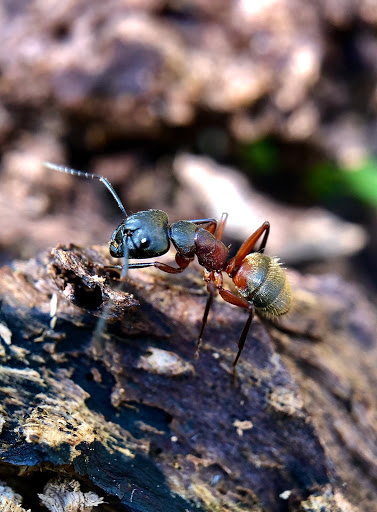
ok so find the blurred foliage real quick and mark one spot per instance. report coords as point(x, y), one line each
point(262, 156)
point(323, 181)
point(327, 180)
point(362, 181)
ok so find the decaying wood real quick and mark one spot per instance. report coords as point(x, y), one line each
point(10, 501)
point(63, 495)
point(135, 418)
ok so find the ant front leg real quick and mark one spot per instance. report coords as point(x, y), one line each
point(182, 263)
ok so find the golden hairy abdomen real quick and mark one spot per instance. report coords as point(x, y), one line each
point(263, 282)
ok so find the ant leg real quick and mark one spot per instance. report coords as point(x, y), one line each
point(211, 287)
point(242, 303)
point(242, 340)
point(246, 248)
point(265, 238)
point(181, 262)
point(212, 223)
point(212, 227)
point(161, 266)
point(220, 229)
point(110, 267)
point(211, 290)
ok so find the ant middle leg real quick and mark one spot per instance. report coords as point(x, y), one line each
point(212, 226)
point(211, 290)
point(213, 283)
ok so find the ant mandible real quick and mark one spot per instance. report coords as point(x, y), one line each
point(260, 280)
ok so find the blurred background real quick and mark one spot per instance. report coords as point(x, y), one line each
point(265, 110)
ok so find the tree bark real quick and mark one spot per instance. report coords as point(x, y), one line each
point(132, 415)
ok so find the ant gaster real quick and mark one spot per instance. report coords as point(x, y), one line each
point(260, 280)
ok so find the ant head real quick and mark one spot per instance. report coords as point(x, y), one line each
point(145, 233)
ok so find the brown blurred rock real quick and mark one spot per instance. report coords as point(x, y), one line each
point(135, 68)
point(80, 79)
point(50, 208)
point(129, 68)
point(297, 234)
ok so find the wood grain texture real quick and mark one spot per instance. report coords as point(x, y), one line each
point(134, 417)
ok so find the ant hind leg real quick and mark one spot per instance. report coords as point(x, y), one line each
point(247, 247)
point(243, 336)
point(242, 303)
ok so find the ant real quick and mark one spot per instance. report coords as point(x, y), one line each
point(260, 279)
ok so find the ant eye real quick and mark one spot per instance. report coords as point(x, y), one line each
point(144, 243)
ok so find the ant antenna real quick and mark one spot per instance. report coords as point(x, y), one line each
point(88, 175)
point(125, 259)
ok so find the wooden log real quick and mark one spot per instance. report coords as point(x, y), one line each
point(133, 416)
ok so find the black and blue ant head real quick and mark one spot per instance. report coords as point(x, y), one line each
point(145, 234)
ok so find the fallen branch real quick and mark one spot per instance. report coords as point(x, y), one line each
point(136, 418)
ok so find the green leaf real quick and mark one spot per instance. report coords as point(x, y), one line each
point(262, 156)
point(362, 182)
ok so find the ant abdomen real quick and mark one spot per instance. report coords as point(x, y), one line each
point(263, 282)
